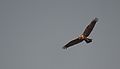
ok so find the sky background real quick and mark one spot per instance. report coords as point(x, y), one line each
point(33, 32)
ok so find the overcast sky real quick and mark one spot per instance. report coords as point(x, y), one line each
point(33, 32)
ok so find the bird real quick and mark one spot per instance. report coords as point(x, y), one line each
point(83, 36)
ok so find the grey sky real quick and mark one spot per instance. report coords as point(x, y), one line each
point(33, 32)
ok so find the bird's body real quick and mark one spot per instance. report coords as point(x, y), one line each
point(83, 36)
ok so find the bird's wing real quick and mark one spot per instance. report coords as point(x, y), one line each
point(73, 42)
point(90, 27)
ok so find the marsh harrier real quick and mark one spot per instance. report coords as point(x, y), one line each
point(83, 36)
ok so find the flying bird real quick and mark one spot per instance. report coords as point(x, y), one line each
point(83, 36)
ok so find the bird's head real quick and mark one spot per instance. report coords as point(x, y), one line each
point(82, 37)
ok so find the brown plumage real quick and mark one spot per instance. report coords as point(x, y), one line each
point(84, 36)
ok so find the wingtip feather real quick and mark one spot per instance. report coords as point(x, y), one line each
point(64, 47)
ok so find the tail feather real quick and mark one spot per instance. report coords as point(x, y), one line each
point(88, 40)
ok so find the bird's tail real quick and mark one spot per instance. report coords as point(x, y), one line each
point(87, 40)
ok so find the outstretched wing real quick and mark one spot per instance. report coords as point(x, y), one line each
point(73, 42)
point(90, 27)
